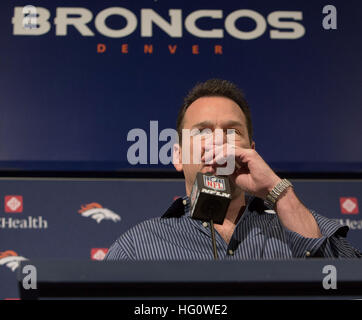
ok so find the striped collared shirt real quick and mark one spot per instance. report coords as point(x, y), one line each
point(258, 235)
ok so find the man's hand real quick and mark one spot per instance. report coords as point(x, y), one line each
point(254, 176)
point(251, 174)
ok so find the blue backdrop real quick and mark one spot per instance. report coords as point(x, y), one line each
point(66, 106)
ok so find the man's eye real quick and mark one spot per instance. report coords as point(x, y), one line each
point(232, 131)
point(201, 132)
point(206, 132)
point(194, 132)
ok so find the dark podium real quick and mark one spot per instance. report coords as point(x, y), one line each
point(296, 279)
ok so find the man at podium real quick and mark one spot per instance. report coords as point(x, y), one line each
point(264, 220)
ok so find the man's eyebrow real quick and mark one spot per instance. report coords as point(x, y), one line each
point(226, 124)
point(233, 123)
point(203, 124)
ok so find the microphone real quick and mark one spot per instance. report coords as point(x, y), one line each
point(210, 197)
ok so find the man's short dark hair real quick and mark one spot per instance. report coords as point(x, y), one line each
point(215, 88)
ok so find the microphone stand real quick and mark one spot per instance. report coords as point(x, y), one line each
point(213, 239)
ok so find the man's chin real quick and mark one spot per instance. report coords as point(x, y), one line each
point(211, 169)
point(208, 169)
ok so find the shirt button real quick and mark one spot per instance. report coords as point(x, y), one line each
point(307, 253)
point(231, 252)
point(205, 224)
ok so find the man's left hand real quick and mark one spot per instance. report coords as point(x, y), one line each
point(251, 173)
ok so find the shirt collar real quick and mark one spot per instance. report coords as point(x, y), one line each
point(181, 208)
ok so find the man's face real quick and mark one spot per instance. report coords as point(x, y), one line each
point(210, 113)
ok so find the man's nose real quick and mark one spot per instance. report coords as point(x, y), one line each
point(219, 136)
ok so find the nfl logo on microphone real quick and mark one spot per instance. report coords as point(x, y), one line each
point(214, 183)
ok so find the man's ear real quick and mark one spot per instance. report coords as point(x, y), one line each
point(177, 157)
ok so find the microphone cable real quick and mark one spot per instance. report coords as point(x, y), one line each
point(213, 240)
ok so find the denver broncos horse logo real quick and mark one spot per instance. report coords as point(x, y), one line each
point(97, 212)
point(11, 259)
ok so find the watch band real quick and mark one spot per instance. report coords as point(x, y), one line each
point(274, 195)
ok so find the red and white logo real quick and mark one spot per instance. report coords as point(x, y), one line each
point(13, 204)
point(98, 253)
point(215, 183)
point(349, 205)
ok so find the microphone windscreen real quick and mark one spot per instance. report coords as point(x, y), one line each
point(210, 197)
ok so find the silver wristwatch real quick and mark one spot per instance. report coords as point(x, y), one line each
point(275, 194)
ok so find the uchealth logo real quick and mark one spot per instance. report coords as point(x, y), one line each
point(13, 204)
point(353, 224)
point(98, 253)
point(349, 205)
point(95, 211)
point(11, 259)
